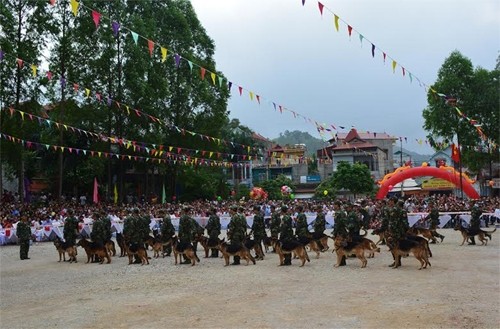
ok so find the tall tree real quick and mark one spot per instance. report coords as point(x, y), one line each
point(355, 178)
point(475, 92)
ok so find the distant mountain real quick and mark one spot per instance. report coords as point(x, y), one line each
point(416, 158)
point(299, 137)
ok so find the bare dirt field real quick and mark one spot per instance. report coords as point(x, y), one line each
point(460, 290)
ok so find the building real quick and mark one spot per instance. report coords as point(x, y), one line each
point(373, 149)
point(288, 160)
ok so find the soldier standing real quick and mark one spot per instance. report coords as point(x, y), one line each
point(475, 222)
point(302, 228)
point(319, 227)
point(398, 224)
point(259, 231)
point(340, 227)
point(167, 231)
point(236, 230)
point(434, 221)
point(213, 229)
point(286, 232)
point(23, 232)
point(186, 230)
point(70, 230)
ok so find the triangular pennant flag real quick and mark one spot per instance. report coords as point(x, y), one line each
point(52, 2)
point(74, 6)
point(33, 69)
point(336, 21)
point(411, 77)
point(151, 47)
point(213, 76)
point(190, 65)
point(373, 50)
point(202, 72)
point(177, 59)
point(394, 66)
point(403, 69)
point(87, 92)
point(361, 39)
point(240, 89)
point(349, 30)
point(383, 54)
point(20, 63)
point(75, 87)
point(96, 17)
point(135, 36)
point(251, 95)
point(303, 2)
point(163, 54)
point(258, 98)
point(116, 28)
point(229, 85)
point(320, 6)
point(1, 55)
point(49, 75)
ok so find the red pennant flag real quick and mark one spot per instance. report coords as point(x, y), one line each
point(20, 63)
point(455, 153)
point(96, 17)
point(137, 113)
point(240, 89)
point(403, 69)
point(349, 30)
point(49, 75)
point(384, 56)
point(95, 196)
point(258, 98)
point(203, 71)
point(52, 2)
point(151, 46)
point(75, 87)
point(321, 6)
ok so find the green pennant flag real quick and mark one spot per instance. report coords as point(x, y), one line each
point(163, 195)
point(135, 36)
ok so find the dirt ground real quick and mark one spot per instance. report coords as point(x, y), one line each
point(460, 290)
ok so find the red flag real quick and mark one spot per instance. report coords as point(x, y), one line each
point(95, 197)
point(320, 6)
point(455, 153)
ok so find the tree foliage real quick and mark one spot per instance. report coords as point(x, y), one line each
point(476, 93)
point(355, 178)
point(273, 186)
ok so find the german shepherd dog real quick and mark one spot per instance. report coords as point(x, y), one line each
point(110, 247)
point(309, 242)
point(91, 249)
point(345, 248)
point(426, 233)
point(203, 240)
point(423, 241)
point(136, 249)
point(370, 247)
point(184, 248)
point(251, 244)
point(63, 248)
point(381, 235)
point(228, 250)
point(121, 243)
point(321, 240)
point(405, 247)
point(267, 243)
point(289, 247)
point(481, 235)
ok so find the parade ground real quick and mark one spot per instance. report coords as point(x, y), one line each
point(460, 290)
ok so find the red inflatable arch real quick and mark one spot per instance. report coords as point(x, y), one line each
point(443, 172)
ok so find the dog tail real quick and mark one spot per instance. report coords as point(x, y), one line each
point(364, 234)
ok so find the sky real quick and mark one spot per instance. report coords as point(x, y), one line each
point(293, 56)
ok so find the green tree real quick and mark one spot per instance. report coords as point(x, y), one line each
point(355, 178)
point(328, 186)
point(475, 92)
point(273, 186)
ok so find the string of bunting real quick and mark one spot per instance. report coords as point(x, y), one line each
point(154, 149)
point(394, 64)
point(171, 158)
point(92, 95)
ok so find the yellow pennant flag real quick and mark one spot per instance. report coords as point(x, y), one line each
point(336, 18)
point(115, 199)
point(128, 109)
point(99, 154)
point(74, 6)
point(87, 92)
point(251, 95)
point(212, 75)
point(211, 154)
point(22, 114)
point(33, 68)
point(170, 148)
point(394, 66)
point(163, 54)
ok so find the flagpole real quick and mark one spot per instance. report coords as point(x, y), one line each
point(460, 165)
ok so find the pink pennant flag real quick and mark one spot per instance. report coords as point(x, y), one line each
point(96, 17)
point(95, 197)
point(52, 2)
point(49, 75)
point(20, 63)
point(151, 46)
point(321, 6)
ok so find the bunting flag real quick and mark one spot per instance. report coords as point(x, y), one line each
point(74, 7)
point(33, 69)
point(373, 50)
point(202, 73)
point(336, 21)
point(394, 66)
point(135, 36)
point(455, 153)
point(163, 195)
point(96, 16)
point(151, 46)
point(163, 54)
point(116, 28)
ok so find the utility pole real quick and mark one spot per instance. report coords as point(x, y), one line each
point(460, 166)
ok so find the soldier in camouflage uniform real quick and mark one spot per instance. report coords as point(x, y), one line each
point(353, 221)
point(475, 222)
point(259, 231)
point(107, 226)
point(286, 232)
point(319, 227)
point(187, 230)
point(398, 223)
point(98, 234)
point(23, 232)
point(275, 223)
point(133, 231)
point(340, 227)
point(70, 230)
point(302, 229)
point(167, 231)
point(213, 229)
point(434, 221)
point(236, 230)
